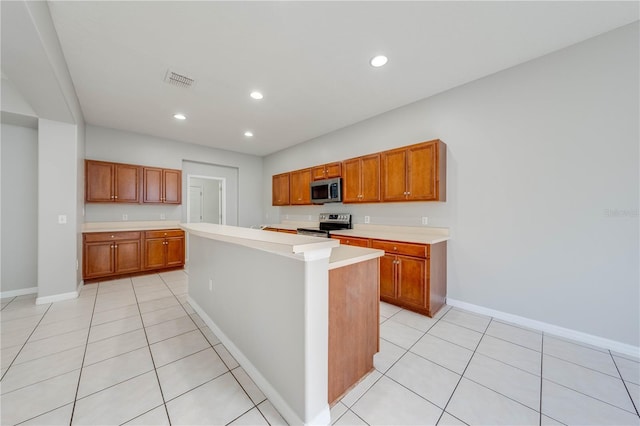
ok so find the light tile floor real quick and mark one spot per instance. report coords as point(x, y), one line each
point(132, 351)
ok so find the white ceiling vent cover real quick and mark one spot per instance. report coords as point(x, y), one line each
point(179, 80)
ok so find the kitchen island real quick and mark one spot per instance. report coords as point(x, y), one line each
point(299, 313)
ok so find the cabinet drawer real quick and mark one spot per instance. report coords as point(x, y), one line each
point(94, 237)
point(164, 233)
point(352, 241)
point(408, 249)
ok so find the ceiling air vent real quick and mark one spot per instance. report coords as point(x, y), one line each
point(178, 79)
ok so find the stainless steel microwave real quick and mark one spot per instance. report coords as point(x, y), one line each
point(326, 191)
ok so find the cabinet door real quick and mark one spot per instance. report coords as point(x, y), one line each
point(352, 172)
point(370, 178)
point(280, 190)
point(154, 253)
point(126, 183)
point(333, 170)
point(98, 181)
point(127, 256)
point(387, 278)
point(412, 276)
point(319, 173)
point(421, 172)
point(394, 176)
point(152, 185)
point(175, 251)
point(172, 186)
point(98, 259)
point(301, 187)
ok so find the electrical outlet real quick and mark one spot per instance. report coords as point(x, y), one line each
point(162, 216)
point(425, 220)
point(210, 284)
point(124, 216)
point(367, 219)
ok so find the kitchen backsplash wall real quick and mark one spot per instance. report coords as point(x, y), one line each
point(539, 156)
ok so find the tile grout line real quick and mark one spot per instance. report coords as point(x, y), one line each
point(464, 371)
point(625, 384)
point(424, 333)
point(153, 362)
point(229, 370)
point(8, 303)
point(24, 344)
point(541, 370)
point(591, 397)
point(75, 398)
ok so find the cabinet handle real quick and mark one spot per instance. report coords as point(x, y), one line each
point(112, 236)
point(395, 248)
point(115, 246)
point(115, 197)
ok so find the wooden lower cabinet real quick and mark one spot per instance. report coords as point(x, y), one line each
point(413, 276)
point(110, 254)
point(163, 249)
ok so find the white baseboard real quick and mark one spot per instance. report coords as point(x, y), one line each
point(270, 392)
point(56, 298)
point(568, 333)
point(19, 292)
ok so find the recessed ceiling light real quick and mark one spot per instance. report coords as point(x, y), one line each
point(179, 116)
point(256, 95)
point(378, 61)
point(248, 134)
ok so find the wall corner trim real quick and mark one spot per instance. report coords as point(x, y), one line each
point(567, 333)
point(56, 298)
point(19, 292)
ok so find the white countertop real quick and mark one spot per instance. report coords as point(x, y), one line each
point(277, 242)
point(129, 226)
point(348, 255)
point(407, 234)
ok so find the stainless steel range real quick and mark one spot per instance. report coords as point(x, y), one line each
point(328, 222)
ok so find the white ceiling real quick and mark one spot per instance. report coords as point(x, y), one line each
point(310, 59)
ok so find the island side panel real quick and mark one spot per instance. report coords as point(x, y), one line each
point(257, 299)
point(437, 277)
point(354, 324)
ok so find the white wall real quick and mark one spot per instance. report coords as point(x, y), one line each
point(126, 147)
point(58, 252)
point(19, 147)
point(542, 178)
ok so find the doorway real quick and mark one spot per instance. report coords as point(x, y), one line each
point(206, 199)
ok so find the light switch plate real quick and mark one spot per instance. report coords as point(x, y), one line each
point(125, 217)
point(62, 219)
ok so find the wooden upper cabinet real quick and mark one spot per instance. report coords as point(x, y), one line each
point(327, 171)
point(127, 186)
point(300, 187)
point(280, 190)
point(162, 185)
point(111, 182)
point(172, 182)
point(415, 173)
point(361, 179)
